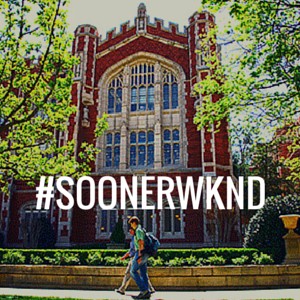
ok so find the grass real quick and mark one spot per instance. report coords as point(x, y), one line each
point(14, 297)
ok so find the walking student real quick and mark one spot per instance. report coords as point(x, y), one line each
point(138, 269)
point(121, 290)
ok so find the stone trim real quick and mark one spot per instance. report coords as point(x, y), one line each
point(163, 278)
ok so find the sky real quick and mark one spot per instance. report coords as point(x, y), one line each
point(107, 14)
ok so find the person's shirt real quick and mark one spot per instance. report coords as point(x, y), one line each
point(132, 247)
point(139, 235)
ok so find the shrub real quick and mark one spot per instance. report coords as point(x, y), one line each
point(64, 258)
point(176, 262)
point(13, 257)
point(265, 229)
point(262, 259)
point(36, 260)
point(94, 259)
point(215, 260)
point(244, 259)
point(155, 262)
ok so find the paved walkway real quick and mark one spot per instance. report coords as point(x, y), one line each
point(163, 295)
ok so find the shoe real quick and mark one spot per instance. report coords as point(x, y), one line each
point(120, 292)
point(152, 291)
point(143, 295)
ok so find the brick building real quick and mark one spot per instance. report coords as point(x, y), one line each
point(143, 78)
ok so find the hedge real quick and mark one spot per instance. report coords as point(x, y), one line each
point(165, 257)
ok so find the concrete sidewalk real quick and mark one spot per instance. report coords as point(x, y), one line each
point(162, 295)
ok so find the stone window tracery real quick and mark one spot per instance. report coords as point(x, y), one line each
point(142, 87)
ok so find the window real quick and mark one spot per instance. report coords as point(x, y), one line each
point(29, 217)
point(115, 96)
point(172, 221)
point(142, 88)
point(170, 91)
point(141, 149)
point(106, 221)
point(112, 150)
point(147, 217)
point(171, 147)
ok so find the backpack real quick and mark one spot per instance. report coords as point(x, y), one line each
point(151, 244)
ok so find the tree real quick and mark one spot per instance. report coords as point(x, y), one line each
point(35, 85)
point(259, 78)
point(265, 229)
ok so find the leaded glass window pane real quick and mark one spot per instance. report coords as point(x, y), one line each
point(167, 135)
point(167, 154)
point(150, 154)
point(132, 138)
point(117, 156)
point(175, 135)
point(142, 155)
point(117, 138)
point(166, 96)
point(119, 100)
point(176, 154)
point(142, 137)
point(142, 100)
point(174, 95)
point(151, 97)
point(111, 101)
point(133, 99)
point(133, 156)
point(108, 157)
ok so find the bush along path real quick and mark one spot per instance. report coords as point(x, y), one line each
point(172, 258)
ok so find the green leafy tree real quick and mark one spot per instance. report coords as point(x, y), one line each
point(259, 78)
point(265, 229)
point(35, 84)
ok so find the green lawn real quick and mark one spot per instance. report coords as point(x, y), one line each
point(14, 297)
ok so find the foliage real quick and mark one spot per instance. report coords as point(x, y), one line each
point(166, 257)
point(13, 257)
point(259, 77)
point(262, 259)
point(36, 260)
point(241, 260)
point(215, 260)
point(265, 229)
point(118, 235)
point(155, 262)
point(35, 84)
point(65, 258)
point(94, 259)
point(114, 261)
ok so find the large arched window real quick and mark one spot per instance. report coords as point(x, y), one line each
point(171, 147)
point(142, 87)
point(170, 91)
point(112, 150)
point(115, 96)
point(141, 149)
